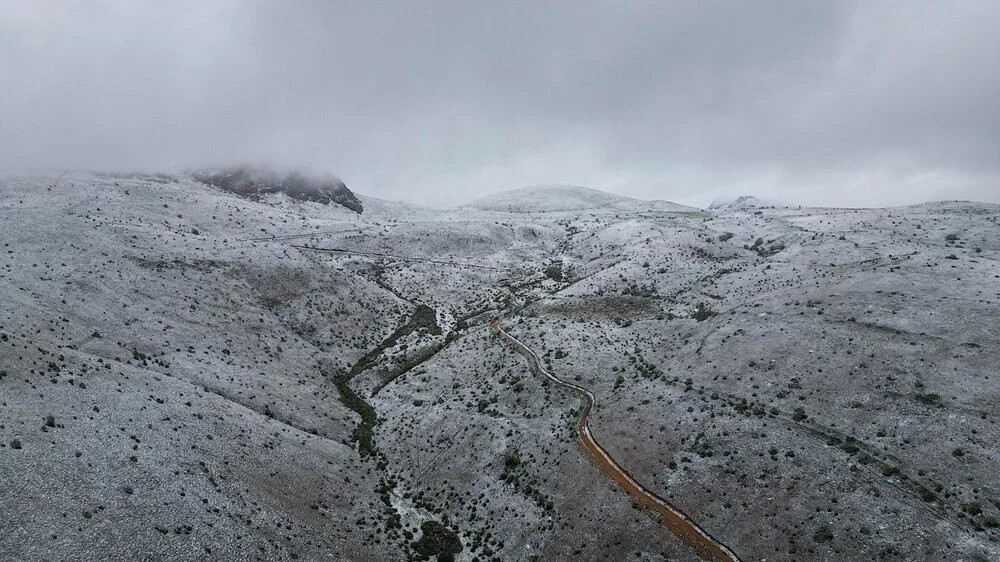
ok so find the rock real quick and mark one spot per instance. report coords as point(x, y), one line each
point(252, 182)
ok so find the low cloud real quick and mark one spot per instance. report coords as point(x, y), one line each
point(836, 103)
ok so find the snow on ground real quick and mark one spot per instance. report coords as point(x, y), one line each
point(553, 198)
point(176, 378)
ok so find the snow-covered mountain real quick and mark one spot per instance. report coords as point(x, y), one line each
point(742, 202)
point(189, 373)
point(555, 198)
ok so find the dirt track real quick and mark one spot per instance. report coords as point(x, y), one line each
point(682, 526)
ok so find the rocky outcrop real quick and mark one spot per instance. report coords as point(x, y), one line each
point(253, 182)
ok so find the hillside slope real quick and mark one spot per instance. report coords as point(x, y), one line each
point(186, 373)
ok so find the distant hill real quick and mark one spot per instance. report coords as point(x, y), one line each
point(742, 202)
point(553, 198)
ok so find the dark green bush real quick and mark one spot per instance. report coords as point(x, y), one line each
point(437, 540)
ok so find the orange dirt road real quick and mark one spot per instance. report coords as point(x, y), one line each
point(682, 526)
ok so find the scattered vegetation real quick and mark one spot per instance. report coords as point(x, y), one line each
point(437, 540)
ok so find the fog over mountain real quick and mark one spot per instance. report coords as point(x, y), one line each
point(836, 103)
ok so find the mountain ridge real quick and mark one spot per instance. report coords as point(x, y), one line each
point(187, 371)
point(560, 197)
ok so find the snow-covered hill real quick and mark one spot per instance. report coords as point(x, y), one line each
point(742, 203)
point(186, 373)
point(554, 198)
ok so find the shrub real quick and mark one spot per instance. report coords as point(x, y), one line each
point(890, 471)
point(703, 312)
point(823, 534)
point(437, 540)
point(554, 272)
point(511, 461)
point(929, 399)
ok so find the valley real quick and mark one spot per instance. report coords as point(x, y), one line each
point(197, 372)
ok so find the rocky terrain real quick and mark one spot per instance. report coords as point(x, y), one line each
point(193, 371)
point(254, 182)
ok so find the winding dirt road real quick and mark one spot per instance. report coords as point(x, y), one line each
point(682, 526)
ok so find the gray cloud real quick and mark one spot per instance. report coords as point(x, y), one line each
point(832, 103)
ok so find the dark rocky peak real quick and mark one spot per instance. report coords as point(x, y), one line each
point(251, 182)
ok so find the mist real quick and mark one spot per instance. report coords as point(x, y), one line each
point(831, 103)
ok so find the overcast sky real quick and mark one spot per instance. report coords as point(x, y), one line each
point(439, 102)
